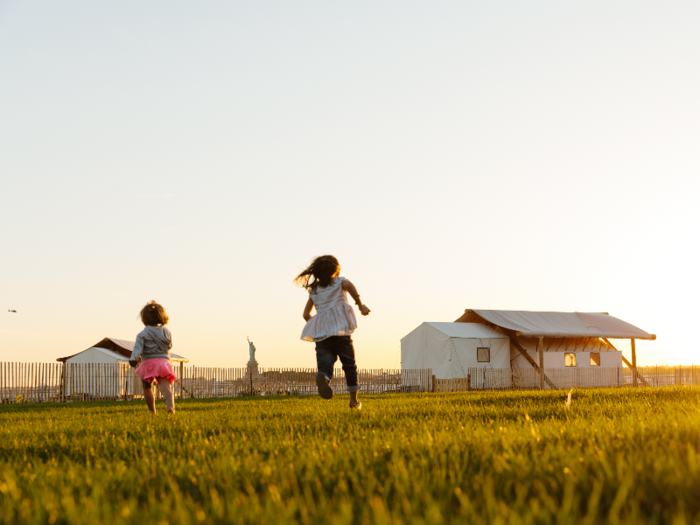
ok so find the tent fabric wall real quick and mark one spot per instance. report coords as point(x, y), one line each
point(555, 348)
point(423, 348)
point(610, 359)
point(450, 349)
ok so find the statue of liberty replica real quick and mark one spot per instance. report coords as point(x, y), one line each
point(252, 367)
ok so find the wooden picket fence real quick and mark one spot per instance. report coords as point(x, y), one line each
point(52, 382)
point(231, 382)
point(565, 378)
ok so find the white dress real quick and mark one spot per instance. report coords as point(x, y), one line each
point(334, 315)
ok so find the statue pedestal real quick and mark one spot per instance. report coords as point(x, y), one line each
point(252, 369)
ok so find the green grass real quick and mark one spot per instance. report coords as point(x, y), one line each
point(616, 456)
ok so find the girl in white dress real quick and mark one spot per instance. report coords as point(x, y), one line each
point(333, 323)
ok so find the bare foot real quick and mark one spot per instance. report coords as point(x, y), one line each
point(356, 405)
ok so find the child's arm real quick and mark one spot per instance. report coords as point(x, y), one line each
point(350, 288)
point(138, 348)
point(307, 309)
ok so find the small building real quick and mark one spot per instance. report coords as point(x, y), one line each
point(108, 381)
point(535, 340)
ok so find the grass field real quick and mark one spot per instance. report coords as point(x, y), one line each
point(616, 456)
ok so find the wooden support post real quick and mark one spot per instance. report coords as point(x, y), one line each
point(519, 348)
point(634, 362)
point(540, 349)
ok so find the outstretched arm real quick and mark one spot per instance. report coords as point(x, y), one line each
point(350, 288)
point(307, 309)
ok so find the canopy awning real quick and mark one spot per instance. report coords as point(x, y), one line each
point(557, 324)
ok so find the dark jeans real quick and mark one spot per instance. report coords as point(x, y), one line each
point(338, 346)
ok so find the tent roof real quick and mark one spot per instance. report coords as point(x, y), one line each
point(110, 353)
point(468, 330)
point(122, 348)
point(558, 324)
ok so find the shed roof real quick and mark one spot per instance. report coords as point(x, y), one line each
point(121, 347)
point(557, 324)
point(468, 330)
point(104, 351)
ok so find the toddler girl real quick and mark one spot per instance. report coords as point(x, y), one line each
point(333, 323)
point(153, 344)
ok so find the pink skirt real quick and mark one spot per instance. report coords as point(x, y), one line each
point(151, 369)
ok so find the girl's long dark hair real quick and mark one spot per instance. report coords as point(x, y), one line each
point(319, 273)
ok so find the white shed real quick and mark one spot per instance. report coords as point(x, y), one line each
point(451, 349)
point(109, 372)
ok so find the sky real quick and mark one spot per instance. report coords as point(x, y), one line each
point(497, 155)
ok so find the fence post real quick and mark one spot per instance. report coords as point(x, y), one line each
point(181, 379)
point(540, 348)
point(62, 382)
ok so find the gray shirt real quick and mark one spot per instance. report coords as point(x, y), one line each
point(154, 342)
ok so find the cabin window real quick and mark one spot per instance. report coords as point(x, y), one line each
point(569, 359)
point(483, 354)
point(595, 359)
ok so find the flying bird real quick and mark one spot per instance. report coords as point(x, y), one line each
point(13, 311)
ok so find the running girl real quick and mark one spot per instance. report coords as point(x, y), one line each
point(153, 344)
point(333, 323)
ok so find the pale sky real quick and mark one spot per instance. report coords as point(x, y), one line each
point(498, 155)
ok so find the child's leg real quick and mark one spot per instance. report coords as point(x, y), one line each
point(325, 359)
point(346, 353)
point(164, 386)
point(148, 396)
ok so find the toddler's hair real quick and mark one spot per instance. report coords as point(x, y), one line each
point(321, 270)
point(153, 314)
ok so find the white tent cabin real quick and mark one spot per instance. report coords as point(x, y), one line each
point(451, 349)
point(541, 340)
point(99, 379)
